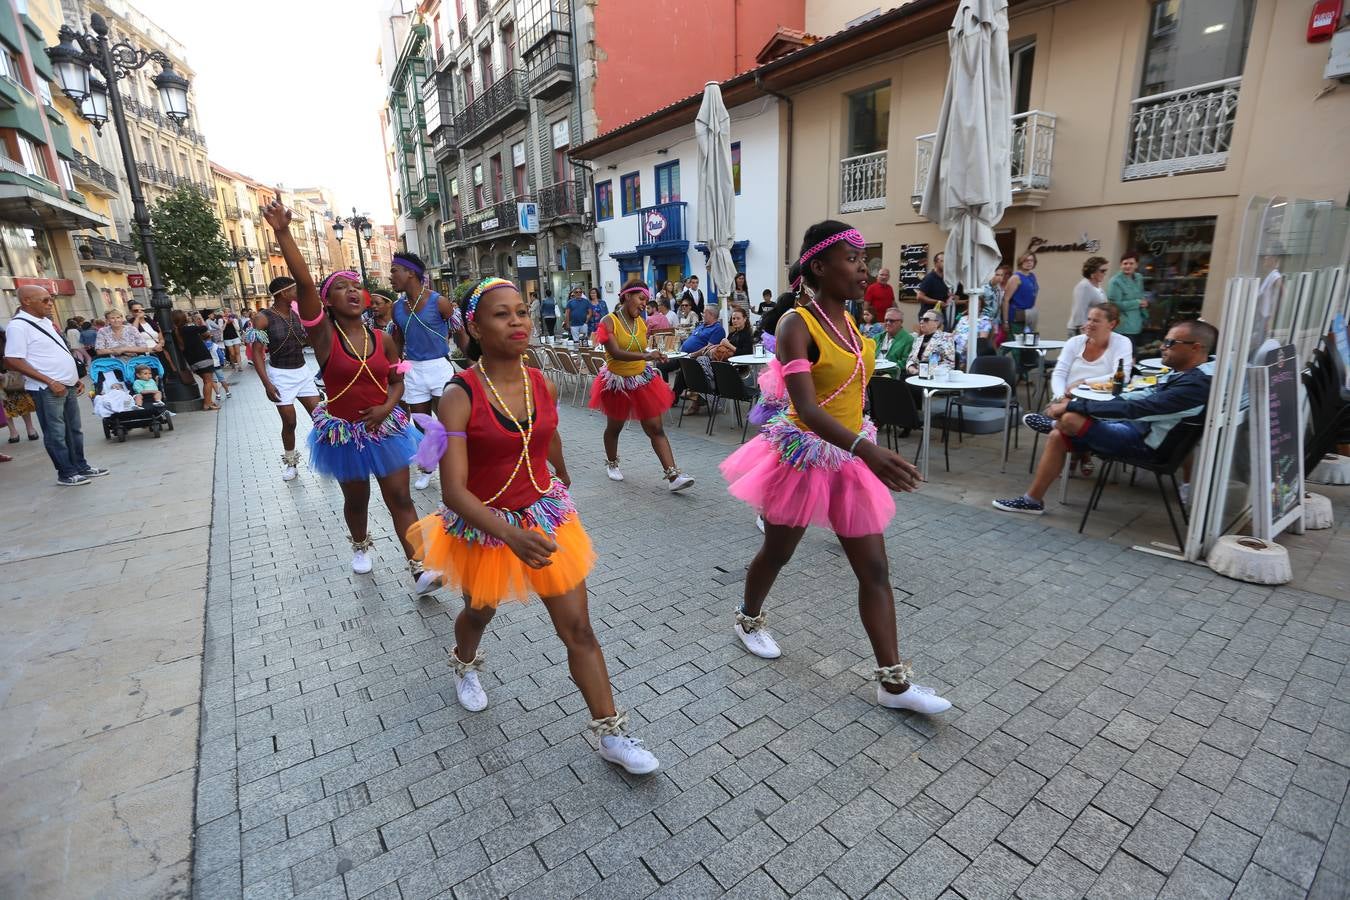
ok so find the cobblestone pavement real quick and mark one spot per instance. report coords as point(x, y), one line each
point(1125, 726)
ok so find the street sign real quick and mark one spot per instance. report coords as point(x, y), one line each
point(528, 216)
point(135, 280)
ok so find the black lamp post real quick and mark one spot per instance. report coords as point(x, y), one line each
point(365, 231)
point(76, 59)
point(240, 257)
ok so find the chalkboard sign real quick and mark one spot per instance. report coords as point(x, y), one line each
point(913, 266)
point(1277, 443)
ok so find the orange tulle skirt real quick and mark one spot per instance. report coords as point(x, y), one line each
point(490, 574)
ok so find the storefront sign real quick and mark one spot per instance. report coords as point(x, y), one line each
point(1277, 443)
point(654, 225)
point(913, 266)
point(57, 287)
point(1084, 245)
point(527, 214)
point(136, 281)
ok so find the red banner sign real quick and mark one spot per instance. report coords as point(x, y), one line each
point(135, 280)
point(57, 287)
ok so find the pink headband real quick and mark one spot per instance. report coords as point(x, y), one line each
point(636, 288)
point(328, 282)
point(852, 236)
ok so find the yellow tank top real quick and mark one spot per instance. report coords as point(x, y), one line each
point(634, 341)
point(835, 366)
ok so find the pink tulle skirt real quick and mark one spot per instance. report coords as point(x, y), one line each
point(793, 478)
point(644, 396)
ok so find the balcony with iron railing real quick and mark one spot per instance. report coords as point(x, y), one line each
point(862, 182)
point(444, 143)
point(274, 249)
point(101, 253)
point(423, 197)
point(93, 176)
point(231, 212)
point(148, 113)
point(661, 225)
point(1187, 130)
point(561, 201)
point(549, 66)
point(1031, 152)
point(500, 106)
point(496, 220)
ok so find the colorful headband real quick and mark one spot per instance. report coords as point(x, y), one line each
point(487, 284)
point(636, 288)
point(328, 282)
point(409, 264)
point(852, 236)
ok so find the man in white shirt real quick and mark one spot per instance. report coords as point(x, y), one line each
point(36, 349)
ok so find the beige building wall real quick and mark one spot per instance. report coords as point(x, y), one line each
point(1291, 137)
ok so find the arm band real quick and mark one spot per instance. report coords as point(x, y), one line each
point(856, 441)
point(797, 367)
point(310, 323)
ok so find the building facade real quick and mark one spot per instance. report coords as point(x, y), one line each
point(41, 207)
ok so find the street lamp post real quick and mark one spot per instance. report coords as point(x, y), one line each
point(239, 257)
point(318, 244)
point(364, 231)
point(74, 58)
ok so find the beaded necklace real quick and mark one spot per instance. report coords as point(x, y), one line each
point(363, 359)
point(286, 317)
point(526, 431)
point(631, 327)
point(853, 343)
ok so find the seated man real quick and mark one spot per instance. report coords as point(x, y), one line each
point(896, 342)
point(1131, 427)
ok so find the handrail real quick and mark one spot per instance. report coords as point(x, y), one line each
point(1222, 82)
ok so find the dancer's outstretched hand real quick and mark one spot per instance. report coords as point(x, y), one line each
point(533, 547)
point(278, 216)
point(895, 471)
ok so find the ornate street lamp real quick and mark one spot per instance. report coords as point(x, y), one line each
point(363, 228)
point(78, 60)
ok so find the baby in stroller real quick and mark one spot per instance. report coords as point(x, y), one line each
point(120, 391)
point(145, 386)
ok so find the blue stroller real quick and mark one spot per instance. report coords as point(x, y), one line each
point(154, 416)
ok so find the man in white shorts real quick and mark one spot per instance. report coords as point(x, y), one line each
point(426, 323)
point(278, 354)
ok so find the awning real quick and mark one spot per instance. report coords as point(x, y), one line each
point(27, 206)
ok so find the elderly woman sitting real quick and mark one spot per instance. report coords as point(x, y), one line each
point(117, 338)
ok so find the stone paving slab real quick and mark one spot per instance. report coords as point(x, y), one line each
point(1124, 725)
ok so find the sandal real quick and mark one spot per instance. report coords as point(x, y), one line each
point(15, 439)
point(32, 436)
point(211, 407)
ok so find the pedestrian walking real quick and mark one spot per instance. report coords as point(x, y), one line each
point(37, 350)
point(817, 462)
point(548, 313)
point(509, 528)
point(360, 431)
point(277, 351)
point(191, 340)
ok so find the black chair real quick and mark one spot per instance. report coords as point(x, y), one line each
point(1180, 442)
point(987, 398)
point(696, 380)
point(729, 386)
point(1028, 360)
point(892, 409)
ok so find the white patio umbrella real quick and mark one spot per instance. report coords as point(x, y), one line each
point(716, 192)
point(969, 177)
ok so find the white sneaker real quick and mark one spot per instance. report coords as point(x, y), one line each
point(680, 482)
point(759, 523)
point(361, 561)
point(470, 693)
point(613, 472)
point(288, 472)
point(915, 697)
point(1185, 491)
point(629, 753)
point(290, 460)
point(427, 583)
point(759, 642)
point(422, 480)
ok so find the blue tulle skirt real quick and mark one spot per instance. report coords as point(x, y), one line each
point(346, 451)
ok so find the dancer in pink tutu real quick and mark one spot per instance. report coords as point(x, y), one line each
point(628, 387)
point(817, 463)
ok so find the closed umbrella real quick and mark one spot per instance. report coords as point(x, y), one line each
point(970, 178)
point(716, 192)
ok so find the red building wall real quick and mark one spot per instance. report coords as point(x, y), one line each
point(650, 53)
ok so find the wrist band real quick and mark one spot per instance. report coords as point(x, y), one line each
point(857, 440)
point(314, 321)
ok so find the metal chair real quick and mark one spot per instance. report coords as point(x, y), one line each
point(663, 341)
point(987, 398)
point(1180, 442)
point(570, 370)
point(729, 386)
point(893, 409)
point(696, 380)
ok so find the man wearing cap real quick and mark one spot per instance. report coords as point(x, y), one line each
point(277, 350)
point(426, 323)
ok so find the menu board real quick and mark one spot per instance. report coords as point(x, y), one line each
point(1277, 443)
point(913, 266)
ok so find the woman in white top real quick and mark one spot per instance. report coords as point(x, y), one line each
point(1087, 292)
point(1092, 356)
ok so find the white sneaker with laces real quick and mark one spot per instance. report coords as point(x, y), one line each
point(628, 753)
point(362, 562)
point(470, 693)
point(612, 470)
point(758, 641)
point(289, 462)
point(427, 583)
point(680, 482)
point(915, 697)
point(422, 480)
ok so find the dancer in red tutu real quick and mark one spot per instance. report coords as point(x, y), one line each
point(817, 462)
point(628, 387)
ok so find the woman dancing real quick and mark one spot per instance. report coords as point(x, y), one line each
point(508, 528)
point(359, 431)
point(627, 387)
point(816, 462)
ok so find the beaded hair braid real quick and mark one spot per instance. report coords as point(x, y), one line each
point(487, 284)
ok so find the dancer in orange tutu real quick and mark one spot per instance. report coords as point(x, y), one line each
point(508, 528)
point(628, 387)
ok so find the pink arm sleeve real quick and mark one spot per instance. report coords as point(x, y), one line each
point(796, 367)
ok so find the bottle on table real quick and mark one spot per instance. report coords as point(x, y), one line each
point(1118, 379)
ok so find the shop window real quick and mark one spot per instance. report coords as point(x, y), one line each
point(604, 201)
point(736, 167)
point(631, 187)
point(1174, 259)
point(869, 120)
point(668, 182)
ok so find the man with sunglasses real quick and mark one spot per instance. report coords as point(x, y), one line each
point(1129, 427)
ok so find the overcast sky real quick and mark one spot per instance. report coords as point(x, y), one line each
point(288, 90)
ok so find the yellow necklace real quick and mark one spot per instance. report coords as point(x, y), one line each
point(526, 431)
point(363, 359)
point(631, 327)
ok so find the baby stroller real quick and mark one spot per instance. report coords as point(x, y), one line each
point(120, 414)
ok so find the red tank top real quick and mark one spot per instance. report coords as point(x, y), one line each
point(351, 386)
point(494, 445)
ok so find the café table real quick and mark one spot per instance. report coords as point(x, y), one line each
point(957, 381)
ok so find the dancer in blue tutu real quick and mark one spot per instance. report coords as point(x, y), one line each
point(359, 431)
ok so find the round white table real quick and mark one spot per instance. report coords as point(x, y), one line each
point(751, 359)
point(885, 365)
point(959, 381)
point(1153, 362)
